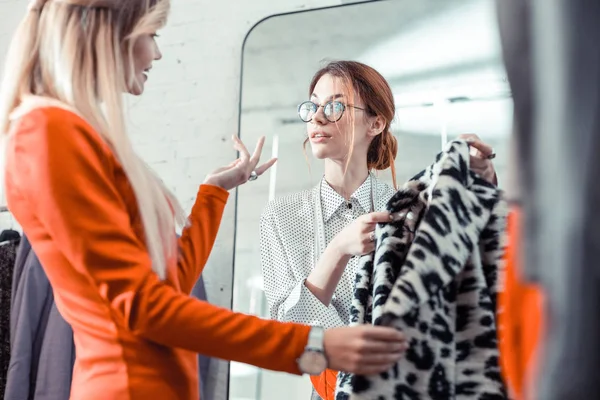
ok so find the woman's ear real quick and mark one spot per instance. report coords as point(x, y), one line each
point(377, 126)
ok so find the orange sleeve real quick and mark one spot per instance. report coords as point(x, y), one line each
point(66, 175)
point(509, 301)
point(198, 237)
point(521, 320)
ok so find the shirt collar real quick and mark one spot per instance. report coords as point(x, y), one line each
point(331, 200)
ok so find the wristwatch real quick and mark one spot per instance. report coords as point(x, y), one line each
point(313, 361)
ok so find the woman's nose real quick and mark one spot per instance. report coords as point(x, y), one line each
point(319, 116)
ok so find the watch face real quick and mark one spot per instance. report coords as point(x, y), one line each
point(312, 362)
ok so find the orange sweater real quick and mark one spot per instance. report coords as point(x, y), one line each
point(521, 322)
point(136, 336)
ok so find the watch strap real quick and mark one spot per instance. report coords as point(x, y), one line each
point(315, 338)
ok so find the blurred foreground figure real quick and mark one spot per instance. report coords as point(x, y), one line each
point(551, 341)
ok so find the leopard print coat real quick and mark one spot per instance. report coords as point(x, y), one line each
point(434, 276)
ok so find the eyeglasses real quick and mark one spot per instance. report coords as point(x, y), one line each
point(333, 110)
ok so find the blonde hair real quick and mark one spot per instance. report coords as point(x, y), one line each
point(80, 52)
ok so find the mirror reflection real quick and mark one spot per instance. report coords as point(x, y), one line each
point(339, 92)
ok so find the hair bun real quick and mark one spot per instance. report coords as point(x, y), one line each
point(382, 152)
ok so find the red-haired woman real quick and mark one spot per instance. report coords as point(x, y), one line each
point(310, 240)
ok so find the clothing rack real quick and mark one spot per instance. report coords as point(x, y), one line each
point(4, 209)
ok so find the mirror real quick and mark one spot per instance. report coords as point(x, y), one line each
point(443, 63)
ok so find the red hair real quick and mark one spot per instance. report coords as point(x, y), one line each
point(370, 86)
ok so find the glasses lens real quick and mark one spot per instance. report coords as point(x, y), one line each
point(306, 111)
point(334, 111)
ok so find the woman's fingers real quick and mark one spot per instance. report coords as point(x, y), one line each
point(377, 217)
point(264, 167)
point(481, 149)
point(478, 147)
point(257, 153)
point(241, 148)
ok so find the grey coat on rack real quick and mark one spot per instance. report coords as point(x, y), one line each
point(42, 348)
point(8, 250)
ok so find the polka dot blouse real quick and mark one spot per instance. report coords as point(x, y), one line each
point(287, 244)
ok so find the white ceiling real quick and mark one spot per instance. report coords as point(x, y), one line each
point(282, 53)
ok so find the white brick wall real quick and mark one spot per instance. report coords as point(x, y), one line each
point(183, 123)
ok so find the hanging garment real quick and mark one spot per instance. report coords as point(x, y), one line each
point(43, 351)
point(42, 348)
point(521, 323)
point(204, 362)
point(434, 276)
point(9, 240)
point(552, 60)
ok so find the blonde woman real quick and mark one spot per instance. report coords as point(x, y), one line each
point(103, 226)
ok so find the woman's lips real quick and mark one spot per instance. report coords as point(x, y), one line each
point(319, 137)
